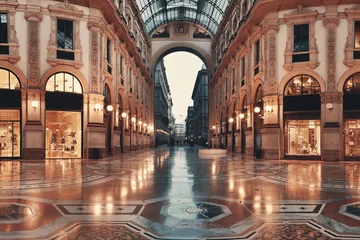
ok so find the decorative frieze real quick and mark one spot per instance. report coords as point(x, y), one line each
point(332, 97)
point(94, 58)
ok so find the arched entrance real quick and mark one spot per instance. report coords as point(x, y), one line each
point(302, 128)
point(10, 115)
point(63, 119)
point(258, 121)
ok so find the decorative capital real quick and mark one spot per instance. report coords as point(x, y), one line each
point(331, 22)
point(33, 16)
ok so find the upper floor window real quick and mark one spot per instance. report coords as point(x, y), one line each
point(242, 71)
point(108, 55)
point(8, 80)
point(63, 82)
point(352, 84)
point(256, 57)
point(357, 40)
point(65, 40)
point(4, 40)
point(302, 85)
point(301, 43)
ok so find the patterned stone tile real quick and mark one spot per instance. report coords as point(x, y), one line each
point(289, 232)
point(101, 232)
point(98, 209)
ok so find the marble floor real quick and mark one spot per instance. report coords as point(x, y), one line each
point(174, 194)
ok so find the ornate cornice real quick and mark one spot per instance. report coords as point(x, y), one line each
point(34, 16)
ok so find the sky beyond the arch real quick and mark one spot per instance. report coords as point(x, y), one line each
point(181, 71)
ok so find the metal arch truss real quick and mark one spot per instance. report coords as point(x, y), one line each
point(207, 13)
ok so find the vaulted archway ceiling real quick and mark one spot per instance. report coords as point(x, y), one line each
point(207, 13)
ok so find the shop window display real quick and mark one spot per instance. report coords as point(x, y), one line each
point(303, 137)
point(10, 133)
point(352, 138)
point(63, 134)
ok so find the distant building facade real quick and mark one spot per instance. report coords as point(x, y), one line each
point(200, 116)
point(163, 106)
point(189, 133)
point(179, 133)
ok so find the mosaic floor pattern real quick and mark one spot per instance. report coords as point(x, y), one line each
point(172, 194)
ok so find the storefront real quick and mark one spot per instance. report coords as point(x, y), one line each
point(63, 117)
point(302, 114)
point(10, 115)
point(352, 117)
point(108, 108)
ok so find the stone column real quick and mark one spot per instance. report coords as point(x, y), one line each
point(332, 117)
point(331, 101)
point(33, 135)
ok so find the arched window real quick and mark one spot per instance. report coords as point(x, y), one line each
point(302, 85)
point(107, 96)
point(63, 82)
point(352, 84)
point(8, 80)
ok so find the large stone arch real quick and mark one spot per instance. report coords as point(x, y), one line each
point(181, 46)
point(345, 76)
point(65, 69)
point(298, 72)
point(243, 96)
point(19, 74)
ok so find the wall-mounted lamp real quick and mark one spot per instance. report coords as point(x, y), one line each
point(124, 115)
point(268, 109)
point(140, 122)
point(109, 108)
point(329, 106)
point(241, 116)
point(257, 109)
point(231, 120)
point(133, 119)
point(34, 104)
point(97, 107)
point(145, 124)
point(214, 127)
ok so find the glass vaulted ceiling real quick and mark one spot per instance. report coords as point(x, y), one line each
point(207, 13)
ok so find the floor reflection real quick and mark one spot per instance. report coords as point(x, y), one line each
point(172, 193)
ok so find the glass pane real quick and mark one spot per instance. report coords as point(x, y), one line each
point(301, 38)
point(16, 139)
point(69, 83)
point(6, 115)
point(59, 82)
point(3, 28)
point(357, 34)
point(303, 137)
point(77, 86)
point(307, 83)
point(356, 82)
point(50, 84)
point(63, 134)
point(65, 34)
point(14, 82)
point(10, 133)
point(4, 79)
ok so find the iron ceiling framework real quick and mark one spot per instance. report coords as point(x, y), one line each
point(207, 13)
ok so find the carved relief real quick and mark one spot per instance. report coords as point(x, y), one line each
point(33, 17)
point(94, 59)
point(299, 10)
point(331, 59)
point(272, 64)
